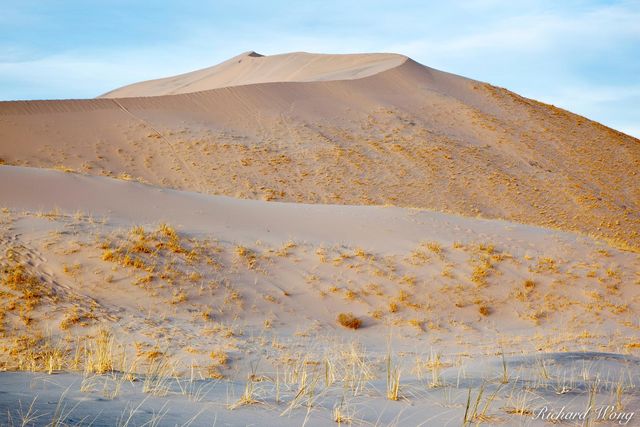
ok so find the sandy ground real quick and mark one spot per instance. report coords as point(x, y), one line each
point(262, 283)
point(313, 240)
point(213, 402)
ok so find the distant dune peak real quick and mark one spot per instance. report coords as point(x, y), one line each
point(252, 68)
point(247, 54)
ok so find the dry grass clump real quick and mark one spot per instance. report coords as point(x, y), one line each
point(350, 295)
point(434, 247)
point(168, 231)
point(348, 320)
point(37, 353)
point(408, 280)
point(486, 248)
point(124, 257)
point(480, 273)
point(64, 169)
point(342, 414)
point(219, 359)
point(168, 238)
point(377, 314)
point(361, 253)
point(393, 307)
point(286, 248)
point(484, 310)
point(247, 255)
point(99, 353)
point(416, 323)
point(76, 317)
point(162, 253)
point(179, 296)
point(418, 257)
point(30, 290)
point(143, 243)
point(545, 264)
point(322, 254)
point(393, 379)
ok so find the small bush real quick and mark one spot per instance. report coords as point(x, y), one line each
point(484, 310)
point(348, 320)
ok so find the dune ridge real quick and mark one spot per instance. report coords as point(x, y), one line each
point(252, 68)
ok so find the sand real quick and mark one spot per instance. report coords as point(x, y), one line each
point(251, 68)
point(180, 254)
point(407, 136)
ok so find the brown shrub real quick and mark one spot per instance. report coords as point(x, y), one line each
point(348, 320)
point(484, 310)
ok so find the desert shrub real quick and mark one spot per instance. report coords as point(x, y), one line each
point(348, 320)
point(484, 310)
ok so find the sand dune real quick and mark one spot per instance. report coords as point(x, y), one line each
point(406, 136)
point(227, 283)
point(299, 239)
point(251, 68)
point(377, 228)
point(361, 244)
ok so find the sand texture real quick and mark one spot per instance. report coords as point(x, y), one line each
point(306, 239)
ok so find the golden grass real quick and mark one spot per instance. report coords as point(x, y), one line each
point(393, 379)
point(393, 307)
point(245, 254)
point(434, 247)
point(29, 288)
point(99, 353)
point(77, 317)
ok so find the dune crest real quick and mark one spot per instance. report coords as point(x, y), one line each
point(252, 67)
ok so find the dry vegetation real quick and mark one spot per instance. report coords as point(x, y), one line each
point(213, 296)
point(211, 285)
point(348, 320)
point(227, 297)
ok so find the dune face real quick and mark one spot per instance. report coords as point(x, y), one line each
point(97, 262)
point(406, 136)
point(251, 68)
point(305, 239)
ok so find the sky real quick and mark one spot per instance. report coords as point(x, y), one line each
point(580, 55)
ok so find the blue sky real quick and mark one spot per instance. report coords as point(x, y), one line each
point(580, 55)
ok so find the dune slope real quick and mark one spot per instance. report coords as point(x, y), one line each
point(406, 136)
point(171, 305)
point(99, 255)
